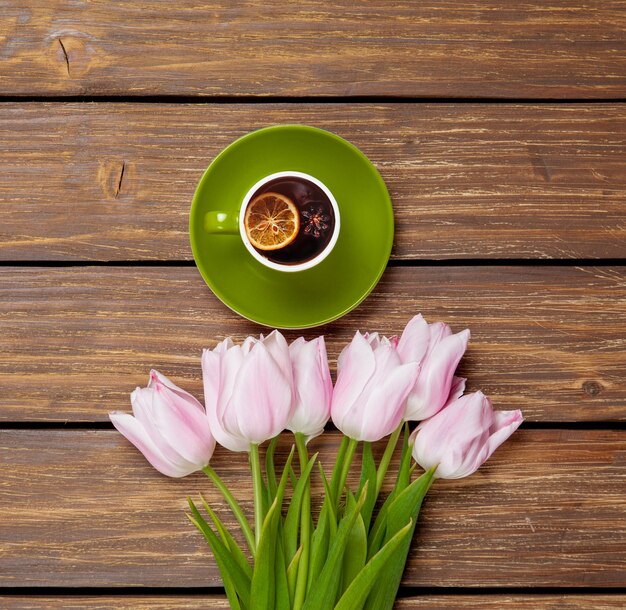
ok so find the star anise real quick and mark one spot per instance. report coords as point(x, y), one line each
point(316, 221)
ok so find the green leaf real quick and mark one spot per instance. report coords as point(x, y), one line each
point(283, 601)
point(292, 520)
point(356, 594)
point(325, 531)
point(264, 577)
point(339, 485)
point(264, 588)
point(368, 475)
point(270, 469)
point(332, 516)
point(336, 474)
point(292, 574)
point(405, 506)
point(356, 549)
point(292, 477)
point(404, 472)
point(229, 541)
point(229, 568)
point(385, 460)
point(319, 545)
point(234, 506)
point(324, 594)
point(306, 526)
point(384, 595)
point(282, 485)
point(376, 535)
point(231, 594)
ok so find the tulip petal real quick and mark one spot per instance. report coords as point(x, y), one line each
point(177, 434)
point(438, 331)
point(279, 350)
point(373, 339)
point(248, 344)
point(385, 404)
point(444, 438)
point(211, 368)
point(224, 346)
point(432, 389)
point(142, 400)
point(456, 389)
point(262, 398)
point(358, 366)
point(156, 378)
point(470, 417)
point(505, 423)
point(313, 386)
point(182, 424)
point(296, 347)
point(132, 429)
point(219, 371)
point(414, 341)
point(387, 360)
point(461, 437)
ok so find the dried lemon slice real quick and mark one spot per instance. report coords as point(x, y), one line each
point(271, 221)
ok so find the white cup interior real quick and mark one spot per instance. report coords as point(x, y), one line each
point(298, 266)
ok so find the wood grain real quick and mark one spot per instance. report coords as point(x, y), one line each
point(429, 602)
point(83, 508)
point(115, 181)
point(75, 341)
point(364, 47)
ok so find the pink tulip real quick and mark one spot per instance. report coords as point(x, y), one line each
point(438, 351)
point(456, 389)
point(168, 426)
point(372, 385)
point(248, 390)
point(461, 437)
point(313, 387)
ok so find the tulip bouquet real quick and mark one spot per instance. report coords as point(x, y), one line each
point(351, 556)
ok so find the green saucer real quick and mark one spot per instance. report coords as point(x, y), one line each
point(305, 298)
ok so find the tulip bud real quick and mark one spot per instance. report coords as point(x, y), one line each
point(248, 390)
point(461, 437)
point(313, 386)
point(168, 426)
point(438, 351)
point(372, 385)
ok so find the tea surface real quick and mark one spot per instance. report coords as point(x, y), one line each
point(317, 220)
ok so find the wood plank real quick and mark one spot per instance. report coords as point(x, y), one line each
point(103, 602)
point(83, 508)
point(515, 602)
point(431, 602)
point(467, 181)
point(365, 47)
point(75, 341)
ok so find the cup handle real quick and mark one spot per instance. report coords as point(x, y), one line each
point(224, 223)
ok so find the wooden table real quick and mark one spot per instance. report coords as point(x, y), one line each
point(500, 129)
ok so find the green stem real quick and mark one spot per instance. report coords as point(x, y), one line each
point(334, 479)
point(386, 459)
point(257, 484)
point(347, 462)
point(305, 527)
point(234, 506)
